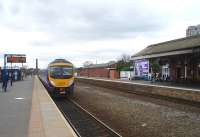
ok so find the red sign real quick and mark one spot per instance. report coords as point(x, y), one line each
point(16, 59)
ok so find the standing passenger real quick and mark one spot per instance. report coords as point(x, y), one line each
point(1, 76)
point(11, 78)
point(15, 75)
point(5, 78)
point(22, 75)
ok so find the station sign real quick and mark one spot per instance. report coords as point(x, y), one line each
point(16, 58)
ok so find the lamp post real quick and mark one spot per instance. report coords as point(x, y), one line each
point(36, 66)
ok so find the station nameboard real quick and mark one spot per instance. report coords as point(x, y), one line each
point(16, 59)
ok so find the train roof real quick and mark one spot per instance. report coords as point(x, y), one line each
point(60, 62)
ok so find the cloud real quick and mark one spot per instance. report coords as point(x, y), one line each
point(90, 30)
point(81, 20)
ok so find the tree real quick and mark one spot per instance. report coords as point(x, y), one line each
point(125, 58)
point(124, 62)
point(87, 63)
point(155, 67)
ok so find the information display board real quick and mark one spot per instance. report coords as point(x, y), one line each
point(12, 58)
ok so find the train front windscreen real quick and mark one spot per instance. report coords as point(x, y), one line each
point(61, 72)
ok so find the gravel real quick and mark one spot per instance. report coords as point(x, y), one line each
point(139, 116)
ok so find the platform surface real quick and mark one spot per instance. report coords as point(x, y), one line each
point(15, 106)
point(46, 120)
point(26, 110)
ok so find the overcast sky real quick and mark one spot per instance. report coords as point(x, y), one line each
point(90, 30)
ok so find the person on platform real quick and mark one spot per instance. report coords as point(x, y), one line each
point(22, 75)
point(11, 78)
point(5, 78)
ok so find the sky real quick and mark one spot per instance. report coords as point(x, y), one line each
point(90, 30)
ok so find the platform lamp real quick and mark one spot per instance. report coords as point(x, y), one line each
point(11, 64)
point(5, 55)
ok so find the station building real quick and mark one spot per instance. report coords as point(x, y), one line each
point(178, 60)
point(193, 30)
point(105, 70)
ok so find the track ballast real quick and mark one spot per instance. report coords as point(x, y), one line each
point(83, 123)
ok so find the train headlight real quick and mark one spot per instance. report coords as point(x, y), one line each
point(52, 83)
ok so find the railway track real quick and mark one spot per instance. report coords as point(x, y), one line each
point(83, 123)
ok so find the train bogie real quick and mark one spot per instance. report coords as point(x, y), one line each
point(61, 92)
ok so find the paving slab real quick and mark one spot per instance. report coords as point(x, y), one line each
point(26, 110)
point(15, 106)
point(46, 119)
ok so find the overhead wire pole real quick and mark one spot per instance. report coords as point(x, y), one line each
point(11, 67)
point(5, 55)
point(22, 62)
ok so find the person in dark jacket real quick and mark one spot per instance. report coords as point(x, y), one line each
point(11, 77)
point(5, 78)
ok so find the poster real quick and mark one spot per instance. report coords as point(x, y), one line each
point(141, 68)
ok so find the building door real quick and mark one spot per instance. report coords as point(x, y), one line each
point(165, 72)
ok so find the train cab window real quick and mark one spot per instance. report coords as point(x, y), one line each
point(67, 71)
point(61, 72)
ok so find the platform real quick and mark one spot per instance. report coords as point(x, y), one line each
point(15, 106)
point(175, 92)
point(26, 110)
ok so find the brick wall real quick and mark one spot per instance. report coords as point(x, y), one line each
point(94, 72)
point(98, 72)
point(114, 74)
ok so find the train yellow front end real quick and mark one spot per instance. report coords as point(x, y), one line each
point(61, 78)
